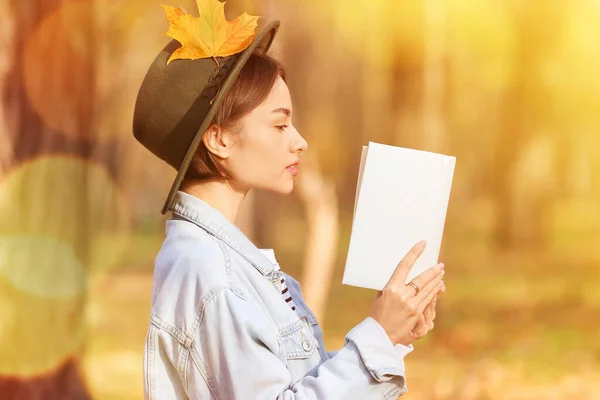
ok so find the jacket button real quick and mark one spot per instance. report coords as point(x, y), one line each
point(306, 345)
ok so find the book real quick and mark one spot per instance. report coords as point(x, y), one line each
point(402, 197)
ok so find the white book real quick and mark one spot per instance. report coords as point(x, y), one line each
point(401, 198)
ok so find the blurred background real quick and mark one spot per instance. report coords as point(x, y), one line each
point(511, 88)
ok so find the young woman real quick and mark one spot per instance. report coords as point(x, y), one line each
point(226, 322)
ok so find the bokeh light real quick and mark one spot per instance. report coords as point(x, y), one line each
point(71, 200)
point(41, 266)
point(60, 90)
point(37, 333)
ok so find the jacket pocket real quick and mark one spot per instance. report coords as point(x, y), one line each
point(301, 349)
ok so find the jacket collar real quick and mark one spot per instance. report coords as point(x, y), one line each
point(210, 219)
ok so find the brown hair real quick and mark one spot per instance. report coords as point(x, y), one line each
point(250, 89)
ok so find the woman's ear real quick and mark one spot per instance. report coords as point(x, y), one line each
point(217, 141)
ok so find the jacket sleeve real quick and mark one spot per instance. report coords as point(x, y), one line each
point(237, 358)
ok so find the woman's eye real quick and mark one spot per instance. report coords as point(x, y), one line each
point(281, 127)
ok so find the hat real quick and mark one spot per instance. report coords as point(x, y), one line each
point(176, 102)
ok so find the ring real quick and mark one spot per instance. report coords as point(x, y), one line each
point(417, 288)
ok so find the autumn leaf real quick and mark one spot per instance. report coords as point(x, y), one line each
point(209, 34)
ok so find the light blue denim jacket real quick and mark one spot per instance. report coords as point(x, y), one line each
point(221, 329)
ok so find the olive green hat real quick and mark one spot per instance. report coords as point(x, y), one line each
point(176, 102)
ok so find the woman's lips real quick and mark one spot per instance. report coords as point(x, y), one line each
point(293, 169)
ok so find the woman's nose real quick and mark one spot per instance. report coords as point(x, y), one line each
point(300, 144)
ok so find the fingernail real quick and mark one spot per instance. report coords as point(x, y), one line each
point(422, 244)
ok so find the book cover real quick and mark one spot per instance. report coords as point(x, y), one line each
point(402, 197)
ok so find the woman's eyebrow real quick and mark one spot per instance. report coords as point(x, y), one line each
point(283, 110)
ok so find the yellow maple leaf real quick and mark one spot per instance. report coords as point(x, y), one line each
point(210, 34)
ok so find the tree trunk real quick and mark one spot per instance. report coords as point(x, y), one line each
point(434, 88)
point(320, 202)
point(7, 43)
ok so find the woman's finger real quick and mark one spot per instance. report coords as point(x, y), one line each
point(427, 311)
point(420, 328)
point(405, 265)
point(442, 289)
point(430, 274)
point(427, 294)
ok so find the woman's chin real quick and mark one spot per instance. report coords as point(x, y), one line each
point(283, 189)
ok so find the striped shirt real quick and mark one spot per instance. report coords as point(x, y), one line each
point(270, 253)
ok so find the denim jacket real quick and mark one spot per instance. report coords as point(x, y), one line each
point(221, 329)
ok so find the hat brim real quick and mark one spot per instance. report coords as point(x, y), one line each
point(262, 42)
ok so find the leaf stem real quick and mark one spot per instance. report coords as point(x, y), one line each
point(216, 94)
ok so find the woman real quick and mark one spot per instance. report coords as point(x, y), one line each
point(226, 322)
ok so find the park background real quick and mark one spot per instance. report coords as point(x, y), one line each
point(511, 88)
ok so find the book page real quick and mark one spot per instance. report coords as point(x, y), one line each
point(363, 157)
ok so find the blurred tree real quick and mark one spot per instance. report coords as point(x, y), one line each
point(7, 43)
point(538, 26)
point(320, 202)
point(435, 71)
point(30, 135)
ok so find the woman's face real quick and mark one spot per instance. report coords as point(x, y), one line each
point(266, 145)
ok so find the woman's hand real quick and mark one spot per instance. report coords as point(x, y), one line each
point(425, 323)
point(398, 308)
